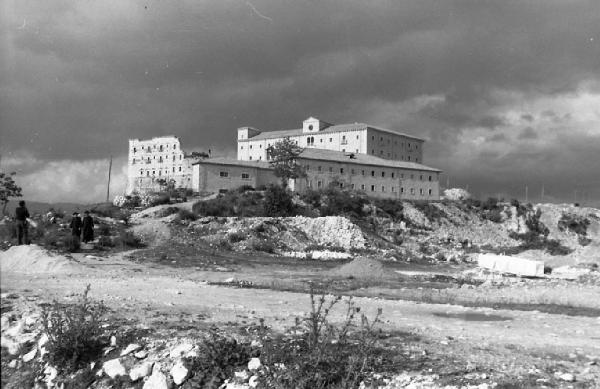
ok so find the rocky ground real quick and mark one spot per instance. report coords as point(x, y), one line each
point(443, 323)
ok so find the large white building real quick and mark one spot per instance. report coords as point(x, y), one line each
point(157, 158)
point(380, 162)
point(356, 138)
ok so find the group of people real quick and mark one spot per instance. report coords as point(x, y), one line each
point(82, 229)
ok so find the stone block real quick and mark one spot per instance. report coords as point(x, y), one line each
point(512, 265)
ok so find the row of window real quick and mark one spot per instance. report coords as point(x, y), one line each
point(225, 174)
point(320, 184)
point(149, 149)
point(395, 142)
point(159, 171)
point(373, 173)
point(149, 160)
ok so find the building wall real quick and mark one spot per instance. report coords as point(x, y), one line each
point(397, 147)
point(157, 158)
point(375, 181)
point(211, 177)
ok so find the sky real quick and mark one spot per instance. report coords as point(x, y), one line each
point(506, 93)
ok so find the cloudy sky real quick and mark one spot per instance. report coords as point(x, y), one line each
point(507, 93)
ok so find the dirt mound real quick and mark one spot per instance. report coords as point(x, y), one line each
point(361, 267)
point(33, 259)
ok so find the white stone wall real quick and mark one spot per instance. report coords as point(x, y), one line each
point(157, 158)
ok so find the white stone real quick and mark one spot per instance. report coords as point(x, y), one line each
point(50, 373)
point(181, 350)
point(13, 364)
point(30, 355)
point(113, 368)
point(43, 340)
point(131, 348)
point(179, 373)
point(156, 381)
point(141, 354)
point(141, 371)
point(512, 265)
point(12, 346)
point(254, 364)
point(568, 377)
point(241, 375)
point(253, 382)
point(113, 341)
point(15, 330)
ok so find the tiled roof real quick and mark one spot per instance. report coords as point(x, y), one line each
point(328, 130)
point(362, 159)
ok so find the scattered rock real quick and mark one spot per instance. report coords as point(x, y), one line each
point(141, 371)
point(157, 380)
point(13, 364)
point(568, 377)
point(131, 348)
point(113, 368)
point(113, 341)
point(30, 355)
point(253, 382)
point(254, 364)
point(141, 354)
point(179, 373)
point(181, 350)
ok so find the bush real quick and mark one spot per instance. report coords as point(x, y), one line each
point(490, 204)
point(162, 198)
point(232, 204)
point(184, 214)
point(105, 241)
point(431, 212)
point(495, 216)
point(319, 354)
point(342, 202)
point(235, 237)
point(218, 359)
point(106, 210)
point(168, 211)
point(574, 223)
point(278, 202)
point(74, 332)
point(245, 188)
point(263, 245)
point(128, 239)
point(391, 207)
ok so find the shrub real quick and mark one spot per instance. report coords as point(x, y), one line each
point(574, 223)
point(235, 237)
point(168, 211)
point(74, 332)
point(106, 210)
point(128, 239)
point(215, 207)
point(263, 245)
point(162, 198)
point(218, 359)
point(105, 241)
point(391, 207)
point(319, 354)
point(245, 188)
point(184, 214)
point(490, 204)
point(495, 216)
point(104, 230)
point(431, 212)
point(278, 202)
point(342, 202)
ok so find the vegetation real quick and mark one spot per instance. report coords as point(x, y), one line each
point(574, 223)
point(278, 202)
point(75, 335)
point(282, 156)
point(8, 189)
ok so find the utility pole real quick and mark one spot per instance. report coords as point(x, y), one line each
point(447, 182)
point(542, 193)
point(526, 194)
point(108, 186)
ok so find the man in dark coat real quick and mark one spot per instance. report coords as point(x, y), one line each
point(22, 214)
point(76, 226)
point(88, 227)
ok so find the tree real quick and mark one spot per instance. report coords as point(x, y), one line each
point(8, 188)
point(282, 156)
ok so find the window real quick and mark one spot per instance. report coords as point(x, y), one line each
point(319, 168)
point(372, 173)
point(160, 159)
point(382, 188)
point(412, 176)
point(363, 172)
point(393, 189)
point(319, 184)
point(416, 159)
point(380, 152)
point(382, 174)
point(356, 136)
point(330, 140)
point(160, 148)
point(330, 169)
point(173, 158)
point(372, 188)
point(147, 173)
point(160, 172)
point(429, 178)
point(341, 170)
point(245, 176)
point(381, 139)
point(412, 191)
point(179, 168)
point(141, 172)
point(401, 189)
point(307, 167)
point(352, 186)
point(180, 157)
point(401, 175)
point(421, 191)
point(173, 169)
point(134, 149)
point(430, 192)
point(223, 174)
point(372, 151)
point(133, 161)
point(153, 172)
point(352, 171)
point(260, 158)
point(343, 150)
point(250, 158)
point(421, 177)
point(321, 140)
point(260, 146)
point(393, 174)
point(362, 186)
point(174, 147)
point(250, 147)
point(373, 137)
point(310, 183)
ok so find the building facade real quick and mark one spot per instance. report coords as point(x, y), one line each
point(358, 138)
point(154, 159)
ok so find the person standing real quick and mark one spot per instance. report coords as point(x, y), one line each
point(76, 228)
point(88, 227)
point(22, 214)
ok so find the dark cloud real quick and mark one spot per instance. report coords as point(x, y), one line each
point(77, 79)
point(528, 133)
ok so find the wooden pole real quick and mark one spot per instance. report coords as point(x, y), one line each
point(108, 186)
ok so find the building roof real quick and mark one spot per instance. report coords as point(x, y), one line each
point(328, 130)
point(325, 155)
point(361, 159)
point(233, 162)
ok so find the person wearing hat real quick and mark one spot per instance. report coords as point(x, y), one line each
point(76, 226)
point(88, 227)
point(22, 214)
